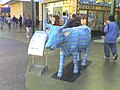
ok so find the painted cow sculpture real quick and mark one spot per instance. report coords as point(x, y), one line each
point(71, 41)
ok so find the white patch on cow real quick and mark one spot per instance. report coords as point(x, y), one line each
point(67, 33)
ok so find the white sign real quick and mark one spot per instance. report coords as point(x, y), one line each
point(37, 43)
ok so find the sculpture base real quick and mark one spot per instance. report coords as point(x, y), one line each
point(68, 74)
point(37, 69)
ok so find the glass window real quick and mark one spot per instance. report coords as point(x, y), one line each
point(106, 14)
point(99, 20)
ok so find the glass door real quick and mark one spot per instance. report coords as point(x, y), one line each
point(99, 20)
point(92, 20)
point(106, 14)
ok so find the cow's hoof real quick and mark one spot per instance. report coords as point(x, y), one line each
point(59, 75)
point(75, 71)
point(83, 64)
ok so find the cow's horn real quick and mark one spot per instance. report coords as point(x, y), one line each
point(62, 27)
point(46, 24)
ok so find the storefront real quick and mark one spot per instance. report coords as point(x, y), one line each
point(96, 14)
point(57, 7)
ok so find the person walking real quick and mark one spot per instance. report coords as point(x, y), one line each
point(28, 25)
point(20, 20)
point(111, 31)
point(14, 20)
point(1, 21)
point(17, 20)
point(8, 19)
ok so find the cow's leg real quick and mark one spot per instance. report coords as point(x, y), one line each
point(85, 56)
point(61, 64)
point(79, 56)
point(75, 62)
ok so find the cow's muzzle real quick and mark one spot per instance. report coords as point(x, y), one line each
point(50, 47)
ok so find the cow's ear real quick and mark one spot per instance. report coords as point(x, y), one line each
point(67, 33)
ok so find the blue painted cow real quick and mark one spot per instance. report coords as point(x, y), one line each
point(71, 41)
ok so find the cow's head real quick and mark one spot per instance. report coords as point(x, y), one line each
point(55, 36)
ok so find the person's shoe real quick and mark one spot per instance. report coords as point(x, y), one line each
point(115, 57)
point(106, 58)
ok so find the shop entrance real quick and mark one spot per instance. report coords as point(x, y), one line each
point(57, 12)
point(95, 20)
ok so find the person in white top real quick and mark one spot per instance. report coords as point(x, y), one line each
point(52, 19)
point(64, 18)
point(8, 19)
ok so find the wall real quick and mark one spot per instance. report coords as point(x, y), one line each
point(27, 8)
point(17, 9)
point(40, 11)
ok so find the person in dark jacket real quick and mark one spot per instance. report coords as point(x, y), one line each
point(20, 20)
point(78, 17)
point(72, 22)
point(14, 20)
point(28, 25)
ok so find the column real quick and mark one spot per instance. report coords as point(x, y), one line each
point(113, 5)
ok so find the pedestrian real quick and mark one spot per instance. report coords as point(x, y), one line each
point(37, 21)
point(8, 19)
point(78, 16)
point(14, 20)
point(83, 20)
point(28, 26)
point(1, 21)
point(57, 20)
point(60, 22)
point(64, 18)
point(52, 19)
point(72, 22)
point(24, 18)
point(20, 21)
point(111, 31)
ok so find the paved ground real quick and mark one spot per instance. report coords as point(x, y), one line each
point(100, 75)
point(14, 66)
point(13, 59)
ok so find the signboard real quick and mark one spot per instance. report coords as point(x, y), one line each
point(91, 7)
point(46, 1)
point(33, 0)
point(37, 43)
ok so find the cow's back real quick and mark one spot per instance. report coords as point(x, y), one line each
point(84, 34)
point(78, 39)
